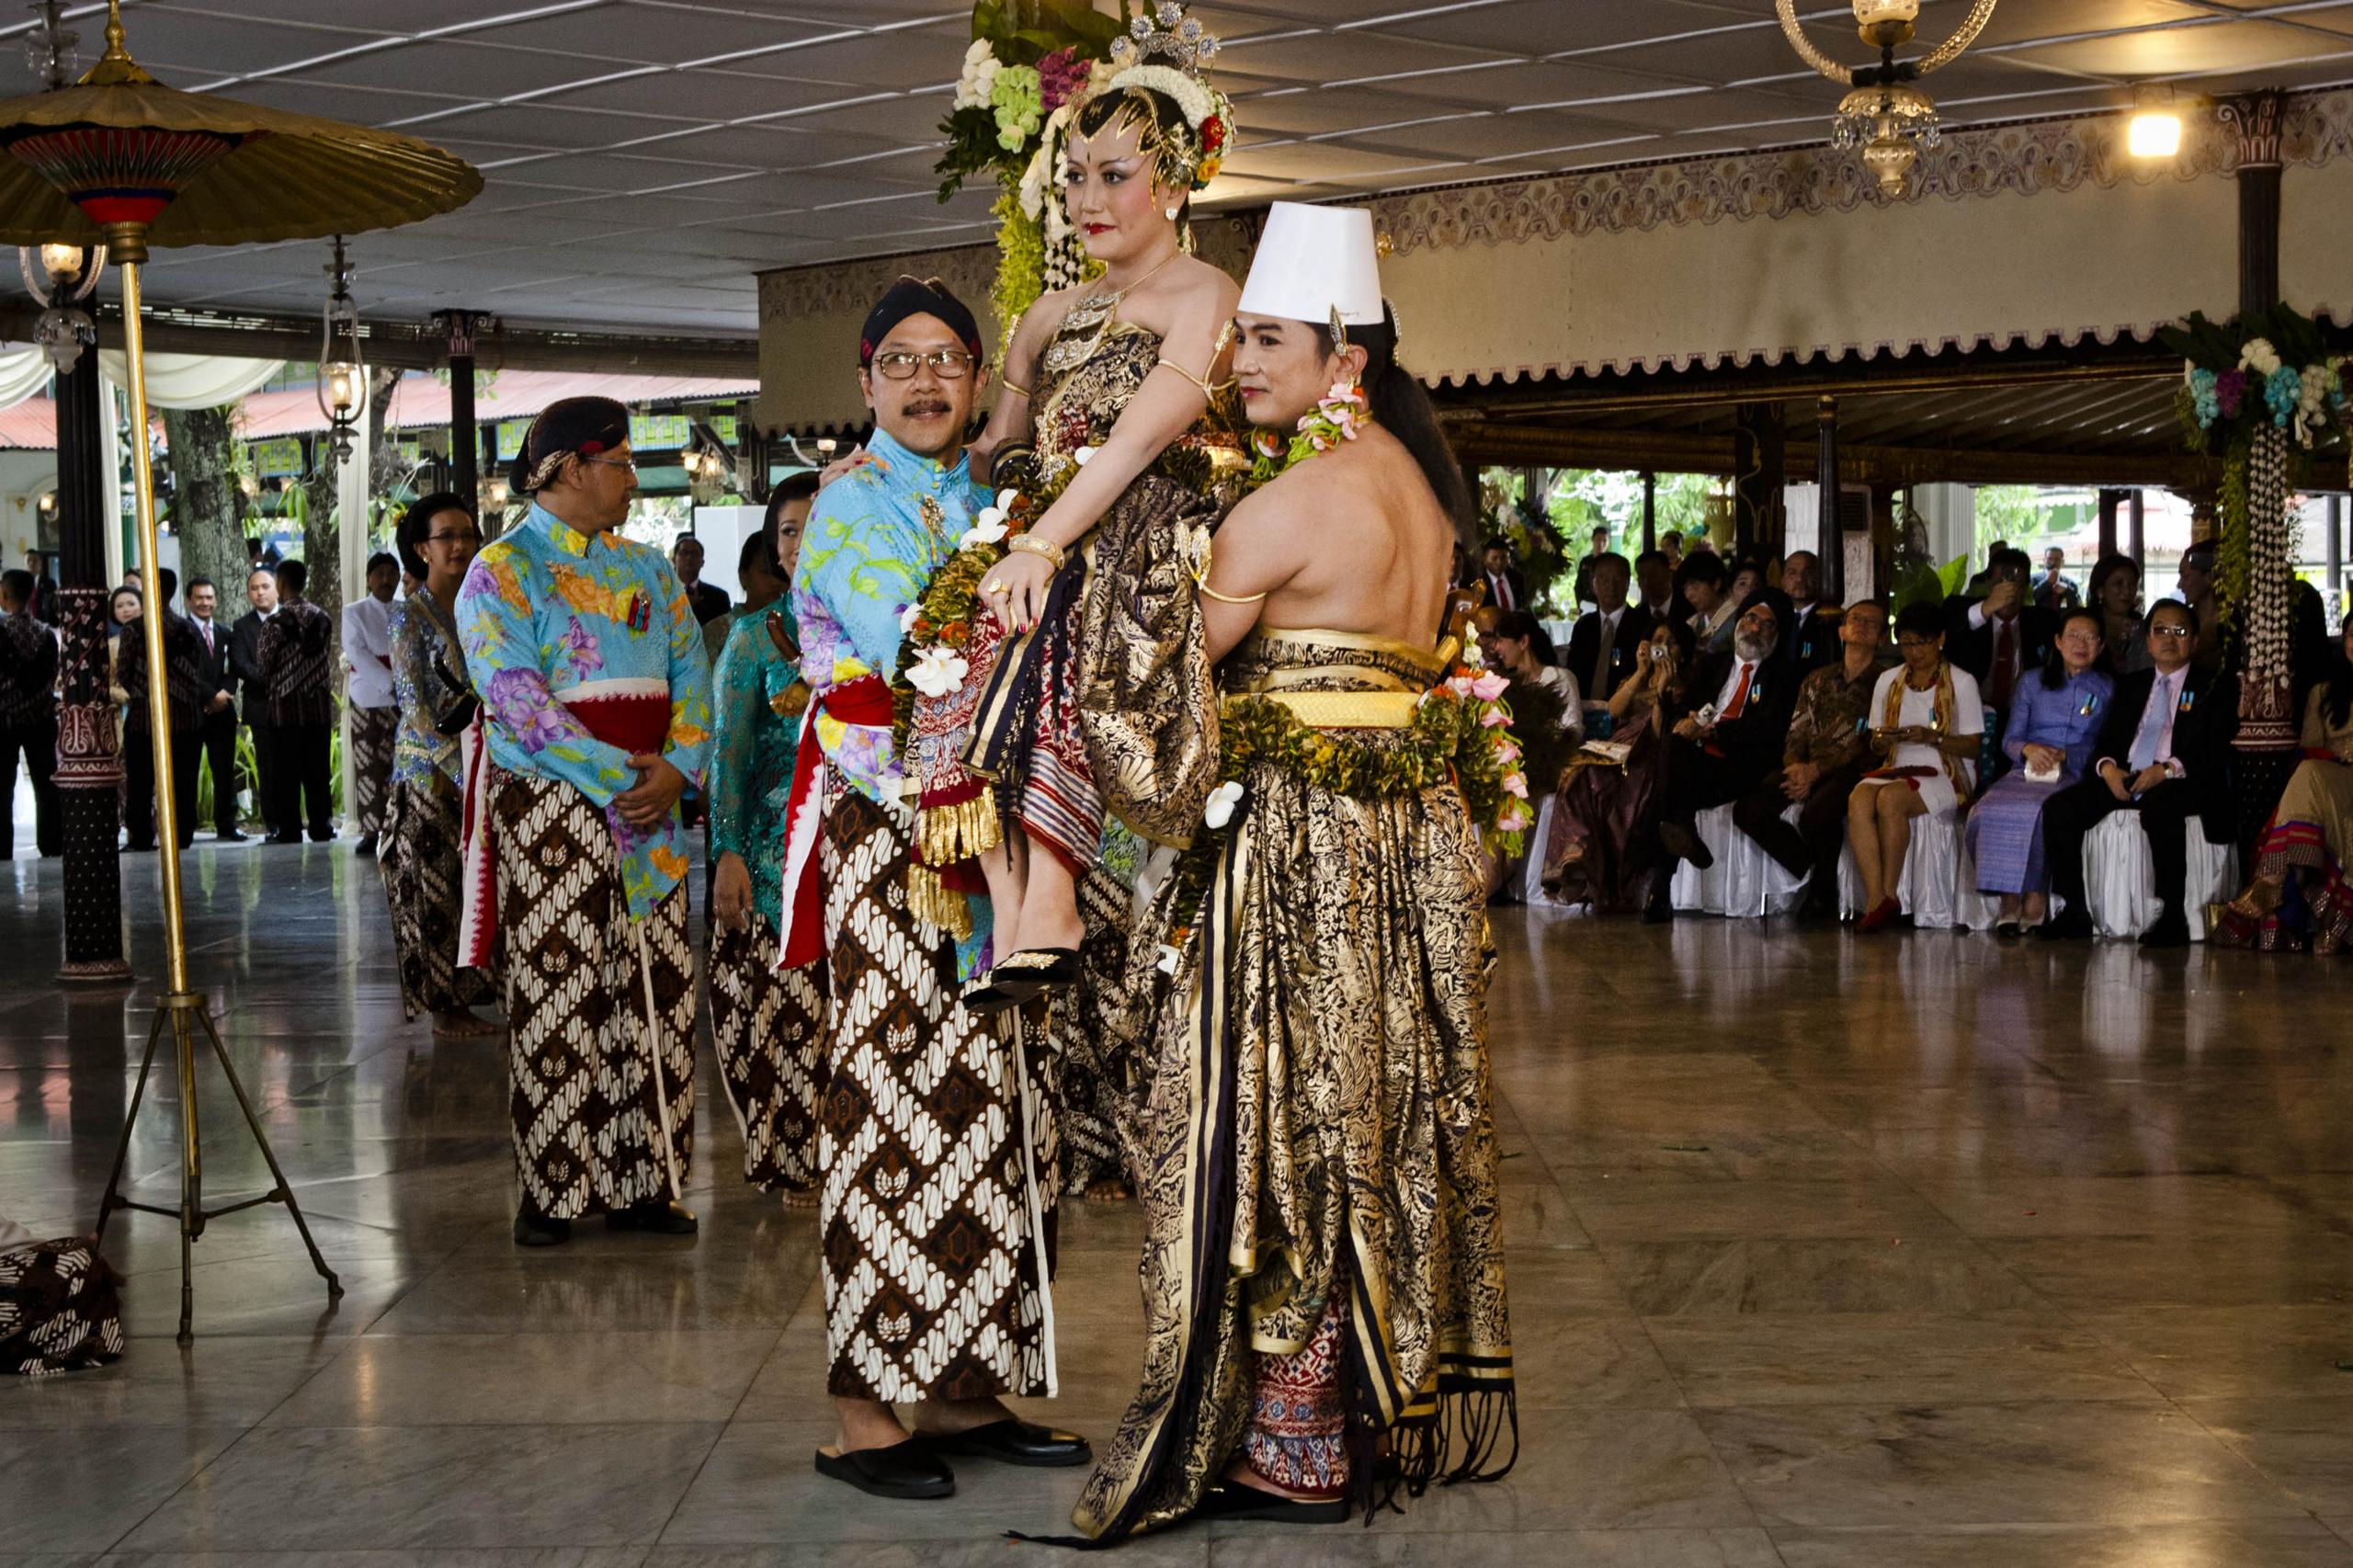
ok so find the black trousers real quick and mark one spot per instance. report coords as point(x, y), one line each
point(1813, 845)
point(303, 780)
point(1698, 780)
point(139, 799)
point(266, 787)
point(218, 741)
point(2166, 812)
point(38, 743)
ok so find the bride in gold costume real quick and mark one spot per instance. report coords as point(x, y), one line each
point(1104, 390)
point(1324, 1267)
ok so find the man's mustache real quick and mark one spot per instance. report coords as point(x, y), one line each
point(927, 405)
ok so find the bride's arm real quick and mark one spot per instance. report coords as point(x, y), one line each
point(1010, 420)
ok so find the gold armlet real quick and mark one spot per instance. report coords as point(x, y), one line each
point(1010, 384)
point(1046, 549)
point(1208, 388)
point(1233, 599)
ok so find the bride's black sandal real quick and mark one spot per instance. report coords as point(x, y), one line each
point(1022, 977)
point(1231, 1500)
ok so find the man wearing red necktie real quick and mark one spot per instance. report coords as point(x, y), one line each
point(1729, 745)
point(1506, 588)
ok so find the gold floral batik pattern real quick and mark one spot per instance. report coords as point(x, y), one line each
point(1319, 1124)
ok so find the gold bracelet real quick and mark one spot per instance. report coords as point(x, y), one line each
point(1033, 544)
point(1010, 384)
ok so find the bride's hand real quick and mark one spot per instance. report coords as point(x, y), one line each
point(1016, 588)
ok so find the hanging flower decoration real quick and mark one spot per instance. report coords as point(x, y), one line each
point(1340, 416)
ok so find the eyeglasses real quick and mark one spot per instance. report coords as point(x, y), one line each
point(628, 463)
point(2169, 632)
point(951, 364)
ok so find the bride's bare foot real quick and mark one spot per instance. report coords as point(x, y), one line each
point(1110, 1190)
point(463, 1024)
point(1241, 1474)
point(807, 1199)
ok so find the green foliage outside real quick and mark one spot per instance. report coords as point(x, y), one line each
point(1579, 500)
point(2028, 517)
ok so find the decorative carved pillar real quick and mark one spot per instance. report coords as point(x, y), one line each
point(2255, 116)
point(1757, 460)
point(1650, 511)
point(465, 442)
point(89, 753)
point(2112, 501)
point(2136, 534)
point(1830, 532)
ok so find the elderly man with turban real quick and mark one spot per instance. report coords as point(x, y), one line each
point(596, 713)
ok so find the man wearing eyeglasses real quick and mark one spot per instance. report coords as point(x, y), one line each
point(595, 711)
point(933, 1173)
point(2164, 753)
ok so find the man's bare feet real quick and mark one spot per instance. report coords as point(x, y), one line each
point(465, 1023)
point(1110, 1190)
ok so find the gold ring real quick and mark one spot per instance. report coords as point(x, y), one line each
point(991, 587)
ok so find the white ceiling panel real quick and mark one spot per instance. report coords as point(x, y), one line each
point(646, 156)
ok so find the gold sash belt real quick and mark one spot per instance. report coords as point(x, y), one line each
point(1343, 710)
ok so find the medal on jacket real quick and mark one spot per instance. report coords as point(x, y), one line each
point(2187, 697)
point(640, 615)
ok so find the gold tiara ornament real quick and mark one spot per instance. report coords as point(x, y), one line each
point(1166, 51)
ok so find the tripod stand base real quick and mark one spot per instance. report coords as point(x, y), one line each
point(185, 1010)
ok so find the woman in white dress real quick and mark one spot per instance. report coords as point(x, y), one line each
point(1926, 720)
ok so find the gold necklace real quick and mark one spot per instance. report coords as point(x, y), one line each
point(1094, 316)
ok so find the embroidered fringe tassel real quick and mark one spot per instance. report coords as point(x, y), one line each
point(1459, 1444)
point(945, 835)
point(929, 901)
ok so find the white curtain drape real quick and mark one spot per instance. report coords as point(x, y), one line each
point(24, 372)
point(193, 381)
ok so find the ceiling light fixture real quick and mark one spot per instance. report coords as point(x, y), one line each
point(1885, 115)
point(2155, 131)
point(343, 376)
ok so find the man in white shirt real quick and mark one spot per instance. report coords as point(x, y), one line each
point(375, 710)
point(219, 731)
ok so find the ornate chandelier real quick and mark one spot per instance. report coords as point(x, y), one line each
point(1885, 115)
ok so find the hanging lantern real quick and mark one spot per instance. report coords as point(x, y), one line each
point(343, 374)
point(60, 279)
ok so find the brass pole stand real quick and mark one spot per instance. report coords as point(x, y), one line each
point(182, 1001)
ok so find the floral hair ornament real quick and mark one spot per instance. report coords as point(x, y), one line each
point(1167, 52)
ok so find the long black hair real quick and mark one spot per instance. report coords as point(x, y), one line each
point(2054, 669)
point(1398, 401)
point(1519, 623)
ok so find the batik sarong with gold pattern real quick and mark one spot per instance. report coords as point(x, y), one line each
point(1317, 1142)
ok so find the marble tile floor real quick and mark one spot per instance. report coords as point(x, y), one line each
point(1826, 1253)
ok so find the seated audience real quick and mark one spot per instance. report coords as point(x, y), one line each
point(2163, 752)
point(1817, 630)
point(2116, 594)
point(1604, 643)
point(1605, 816)
point(1926, 720)
point(1823, 759)
point(1521, 650)
point(2297, 894)
point(1730, 745)
point(1704, 584)
point(2053, 720)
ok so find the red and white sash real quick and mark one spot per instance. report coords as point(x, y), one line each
point(867, 701)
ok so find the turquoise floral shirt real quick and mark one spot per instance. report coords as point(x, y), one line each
point(752, 748)
point(867, 551)
point(545, 609)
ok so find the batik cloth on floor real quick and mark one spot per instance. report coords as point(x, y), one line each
point(765, 1030)
point(418, 857)
point(59, 1310)
point(593, 1132)
point(372, 732)
point(1318, 1137)
point(932, 1148)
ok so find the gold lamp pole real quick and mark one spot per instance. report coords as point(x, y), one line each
point(120, 157)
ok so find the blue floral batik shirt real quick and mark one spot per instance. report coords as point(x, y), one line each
point(870, 545)
point(752, 751)
point(546, 608)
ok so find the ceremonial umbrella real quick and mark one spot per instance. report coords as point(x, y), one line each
point(120, 158)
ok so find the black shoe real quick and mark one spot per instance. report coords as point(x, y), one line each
point(365, 847)
point(322, 836)
point(1685, 844)
point(2172, 930)
point(909, 1469)
point(1228, 1500)
point(146, 849)
point(1023, 977)
point(2008, 928)
point(539, 1231)
point(2073, 925)
point(1815, 915)
point(283, 838)
point(1013, 1441)
point(658, 1215)
point(231, 835)
point(1659, 908)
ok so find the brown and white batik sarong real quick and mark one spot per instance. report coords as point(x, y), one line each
point(931, 1147)
point(765, 1030)
point(590, 1133)
point(59, 1310)
point(373, 731)
point(419, 859)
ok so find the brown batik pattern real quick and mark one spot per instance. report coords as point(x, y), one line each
point(932, 1184)
point(59, 1309)
point(765, 1028)
point(1096, 1030)
point(419, 859)
point(588, 1131)
point(372, 731)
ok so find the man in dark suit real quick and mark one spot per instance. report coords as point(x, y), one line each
point(1731, 744)
point(1604, 643)
point(1506, 588)
point(253, 693)
point(2002, 637)
point(183, 719)
point(216, 729)
point(27, 713)
point(2163, 752)
point(1583, 591)
point(707, 602)
point(1814, 635)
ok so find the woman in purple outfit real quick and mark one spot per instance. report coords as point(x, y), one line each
point(2053, 720)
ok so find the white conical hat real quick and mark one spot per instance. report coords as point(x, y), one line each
point(1312, 261)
